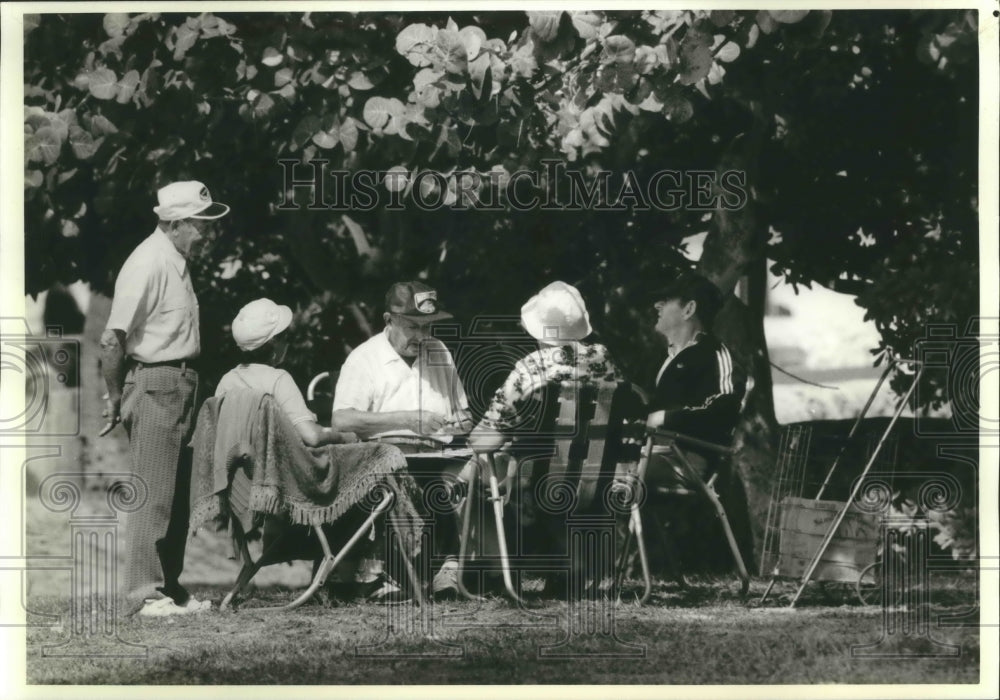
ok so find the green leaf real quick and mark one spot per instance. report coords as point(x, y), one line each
point(325, 139)
point(720, 18)
point(101, 125)
point(348, 135)
point(309, 125)
point(766, 22)
point(788, 16)
point(43, 145)
point(651, 104)
point(186, 38)
point(83, 144)
point(60, 125)
point(115, 23)
point(586, 24)
point(112, 46)
point(271, 57)
point(695, 61)
point(473, 39)
point(36, 120)
point(729, 52)
point(545, 25)
point(677, 108)
point(382, 113)
point(359, 81)
point(617, 78)
point(282, 77)
point(262, 105)
point(33, 178)
point(415, 42)
point(103, 83)
point(127, 86)
point(396, 178)
point(618, 49)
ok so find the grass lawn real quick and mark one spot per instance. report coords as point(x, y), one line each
point(704, 635)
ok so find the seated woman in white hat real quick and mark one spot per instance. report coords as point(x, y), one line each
point(557, 318)
point(257, 331)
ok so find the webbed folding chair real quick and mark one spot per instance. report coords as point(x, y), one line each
point(673, 451)
point(284, 541)
point(573, 456)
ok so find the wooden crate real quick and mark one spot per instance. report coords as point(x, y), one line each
point(804, 524)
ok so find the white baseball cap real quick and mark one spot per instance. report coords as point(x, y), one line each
point(556, 314)
point(187, 200)
point(258, 322)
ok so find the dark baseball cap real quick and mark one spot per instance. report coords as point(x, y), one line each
point(690, 286)
point(414, 300)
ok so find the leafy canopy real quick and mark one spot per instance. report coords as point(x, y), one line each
point(863, 177)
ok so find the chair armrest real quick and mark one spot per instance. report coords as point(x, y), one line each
point(311, 389)
point(661, 434)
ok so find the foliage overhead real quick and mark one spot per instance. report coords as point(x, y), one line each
point(863, 177)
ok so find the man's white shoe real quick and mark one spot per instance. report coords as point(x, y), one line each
point(165, 607)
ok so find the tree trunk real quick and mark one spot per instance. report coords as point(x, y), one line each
point(734, 247)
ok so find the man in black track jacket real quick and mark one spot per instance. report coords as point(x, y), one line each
point(699, 388)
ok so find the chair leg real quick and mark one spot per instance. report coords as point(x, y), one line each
point(250, 567)
point(501, 533)
point(720, 512)
point(623, 558)
point(640, 540)
point(635, 530)
point(671, 555)
point(330, 561)
point(411, 572)
point(767, 591)
point(463, 543)
point(247, 572)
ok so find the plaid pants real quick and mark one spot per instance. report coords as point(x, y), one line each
point(158, 411)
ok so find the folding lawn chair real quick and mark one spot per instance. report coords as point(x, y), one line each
point(283, 541)
point(669, 451)
point(572, 457)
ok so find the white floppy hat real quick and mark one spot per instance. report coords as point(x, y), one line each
point(187, 200)
point(258, 322)
point(556, 314)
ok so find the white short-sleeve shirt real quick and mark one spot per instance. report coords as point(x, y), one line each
point(376, 379)
point(154, 303)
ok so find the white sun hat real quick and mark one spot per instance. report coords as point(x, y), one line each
point(258, 322)
point(188, 199)
point(556, 314)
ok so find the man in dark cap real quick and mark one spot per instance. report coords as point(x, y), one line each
point(698, 389)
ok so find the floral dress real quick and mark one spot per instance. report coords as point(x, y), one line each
point(516, 402)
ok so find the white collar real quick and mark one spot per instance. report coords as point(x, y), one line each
point(162, 241)
point(386, 353)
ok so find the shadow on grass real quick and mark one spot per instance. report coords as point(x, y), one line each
point(681, 636)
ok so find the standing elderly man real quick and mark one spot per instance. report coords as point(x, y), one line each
point(405, 380)
point(148, 352)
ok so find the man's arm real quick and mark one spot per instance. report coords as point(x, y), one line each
point(113, 368)
point(367, 423)
point(315, 435)
point(716, 392)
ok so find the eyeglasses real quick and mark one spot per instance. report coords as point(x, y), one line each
point(407, 324)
